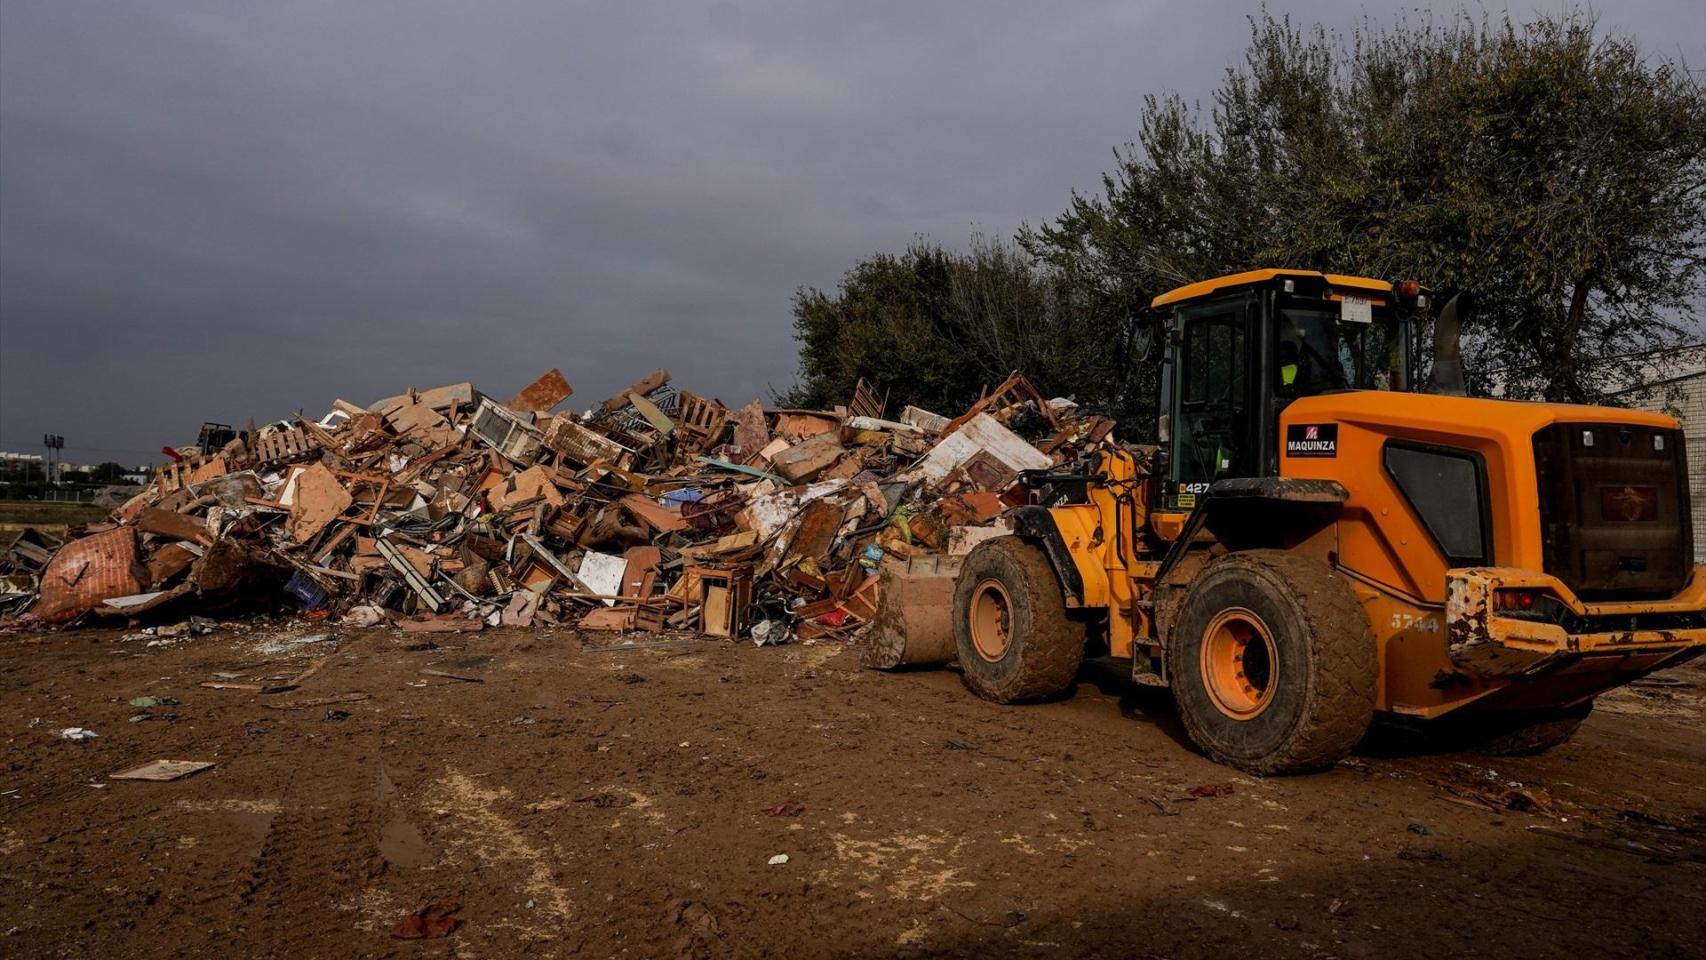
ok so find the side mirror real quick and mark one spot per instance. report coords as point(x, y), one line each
point(1143, 335)
point(1447, 374)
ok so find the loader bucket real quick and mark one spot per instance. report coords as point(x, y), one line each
point(915, 614)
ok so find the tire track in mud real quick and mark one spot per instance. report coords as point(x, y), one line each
point(320, 855)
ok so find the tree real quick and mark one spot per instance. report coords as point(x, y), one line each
point(932, 327)
point(1556, 173)
point(1574, 173)
point(1552, 171)
point(110, 472)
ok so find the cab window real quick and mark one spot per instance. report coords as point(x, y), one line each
point(1316, 350)
point(1211, 422)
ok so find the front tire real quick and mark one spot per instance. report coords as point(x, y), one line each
point(1273, 664)
point(1014, 639)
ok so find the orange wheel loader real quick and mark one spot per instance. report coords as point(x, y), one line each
point(1315, 540)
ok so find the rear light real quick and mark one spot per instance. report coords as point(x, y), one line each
point(1515, 599)
point(1409, 289)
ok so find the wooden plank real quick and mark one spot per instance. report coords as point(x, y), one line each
point(640, 576)
point(161, 771)
point(659, 420)
point(806, 459)
point(319, 499)
point(319, 433)
point(329, 572)
point(658, 517)
point(608, 618)
point(167, 562)
point(642, 386)
point(465, 678)
point(172, 525)
point(317, 701)
point(1015, 390)
point(542, 394)
point(715, 618)
point(818, 523)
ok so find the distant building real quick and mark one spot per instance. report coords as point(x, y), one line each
point(29, 466)
point(34, 467)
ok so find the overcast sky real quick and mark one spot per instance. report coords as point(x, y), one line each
point(218, 211)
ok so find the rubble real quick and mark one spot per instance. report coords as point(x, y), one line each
point(656, 510)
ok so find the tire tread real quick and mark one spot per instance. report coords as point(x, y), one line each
point(1340, 697)
point(1049, 657)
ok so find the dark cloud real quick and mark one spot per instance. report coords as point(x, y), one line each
point(224, 211)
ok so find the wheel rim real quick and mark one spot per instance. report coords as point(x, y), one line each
point(991, 617)
point(1239, 663)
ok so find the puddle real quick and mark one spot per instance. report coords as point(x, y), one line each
point(400, 841)
point(255, 825)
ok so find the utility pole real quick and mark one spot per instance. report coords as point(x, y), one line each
point(52, 442)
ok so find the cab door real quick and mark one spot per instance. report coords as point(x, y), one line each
point(1211, 433)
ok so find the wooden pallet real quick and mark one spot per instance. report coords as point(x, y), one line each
point(701, 421)
point(282, 446)
point(174, 476)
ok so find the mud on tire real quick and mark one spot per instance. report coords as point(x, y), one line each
point(1300, 691)
point(1027, 647)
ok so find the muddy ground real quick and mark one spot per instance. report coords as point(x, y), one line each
point(628, 803)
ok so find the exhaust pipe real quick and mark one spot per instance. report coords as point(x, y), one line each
point(1447, 374)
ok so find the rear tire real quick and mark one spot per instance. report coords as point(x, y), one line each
point(1524, 733)
point(1272, 663)
point(1014, 639)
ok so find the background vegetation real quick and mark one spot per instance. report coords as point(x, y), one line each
point(1550, 169)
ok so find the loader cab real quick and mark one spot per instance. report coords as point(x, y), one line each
point(1243, 347)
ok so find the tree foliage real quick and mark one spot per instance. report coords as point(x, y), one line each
point(1551, 170)
point(110, 472)
point(932, 327)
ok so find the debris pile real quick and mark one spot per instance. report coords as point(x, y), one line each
point(656, 510)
